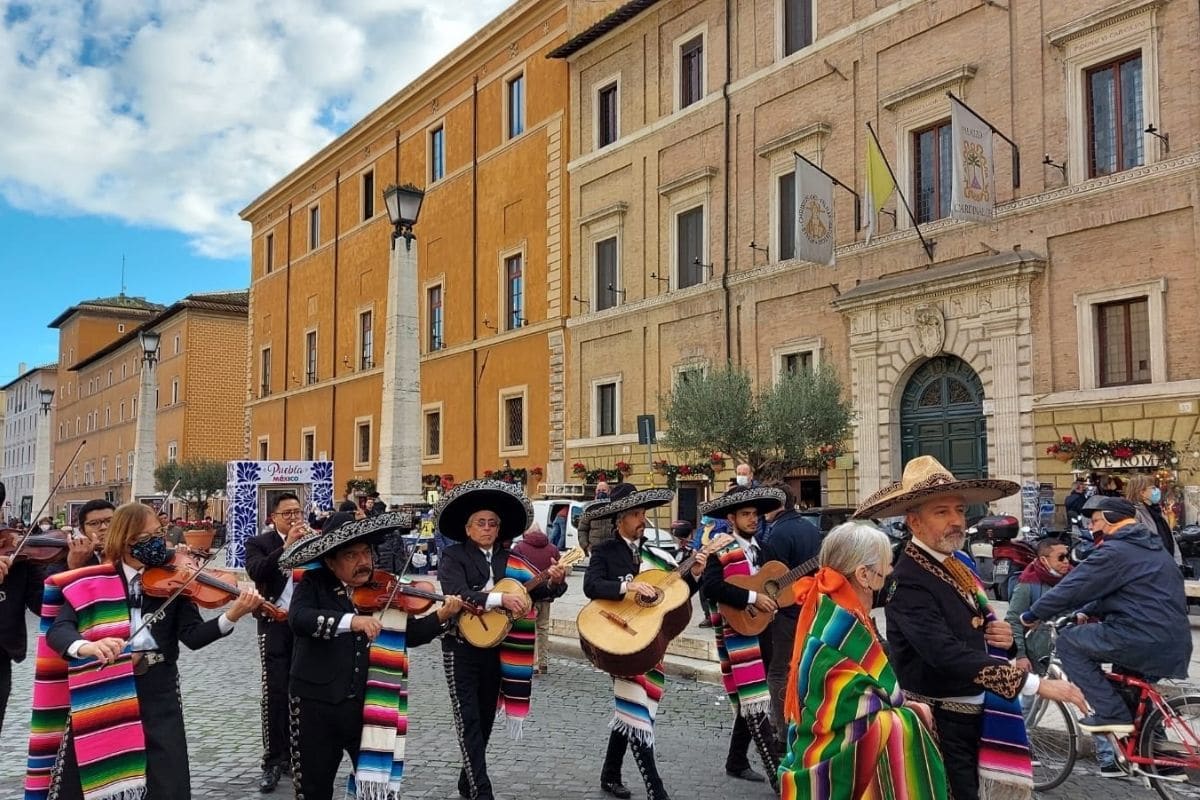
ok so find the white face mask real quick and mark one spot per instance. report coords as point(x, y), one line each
point(45, 526)
point(743, 480)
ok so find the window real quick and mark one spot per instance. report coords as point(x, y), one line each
point(314, 227)
point(172, 451)
point(263, 448)
point(107, 416)
point(1114, 109)
point(118, 466)
point(691, 71)
point(514, 90)
point(797, 25)
point(433, 433)
point(110, 374)
point(366, 339)
point(606, 274)
point(310, 358)
point(434, 316)
point(122, 417)
point(177, 344)
point(514, 293)
point(607, 115)
point(269, 253)
point(104, 469)
point(689, 246)
point(124, 371)
point(931, 172)
point(308, 445)
point(362, 442)
point(512, 422)
point(1123, 332)
point(606, 409)
point(368, 201)
point(175, 391)
point(795, 363)
point(264, 372)
point(787, 216)
point(437, 154)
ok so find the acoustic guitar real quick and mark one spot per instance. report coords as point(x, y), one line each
point(772, 579)
point(628, 637)
point(489, 628)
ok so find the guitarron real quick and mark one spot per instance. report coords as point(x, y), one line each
point(489, 628)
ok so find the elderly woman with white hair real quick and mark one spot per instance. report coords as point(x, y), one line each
point(851, 733)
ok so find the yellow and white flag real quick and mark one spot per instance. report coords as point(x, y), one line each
point(880, 185)
point(814, 214)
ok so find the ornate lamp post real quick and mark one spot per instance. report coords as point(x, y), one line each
point(144, 438)
point(41, 452)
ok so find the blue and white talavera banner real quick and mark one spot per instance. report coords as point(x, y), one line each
point(244, 483)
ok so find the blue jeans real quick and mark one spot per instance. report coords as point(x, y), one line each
point(1082, 651)
point(1106, 754)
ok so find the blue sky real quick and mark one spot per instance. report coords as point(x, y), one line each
point(141, 127)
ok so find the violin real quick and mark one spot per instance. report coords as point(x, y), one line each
point(212, 588)
point(413, 598)
point(44, 547)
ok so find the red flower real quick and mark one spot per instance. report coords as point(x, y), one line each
point(1052, 449)
point(1068, 440)
point(684, 469)
point(1122, 453)
point(623, 466)
point(487, 473)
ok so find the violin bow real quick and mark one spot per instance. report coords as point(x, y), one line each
point(399, 580)
point(33, 520)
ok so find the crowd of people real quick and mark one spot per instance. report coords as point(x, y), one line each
point(829, 706)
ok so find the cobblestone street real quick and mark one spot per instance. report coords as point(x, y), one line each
point(558, 758)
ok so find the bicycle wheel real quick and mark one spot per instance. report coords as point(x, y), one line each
point(1178, 738)
point(1053, 742)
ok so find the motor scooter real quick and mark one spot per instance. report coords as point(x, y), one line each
point(1188, 541)
point(980, 548)
point(1011, 552)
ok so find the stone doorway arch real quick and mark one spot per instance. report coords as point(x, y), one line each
point(941, 415)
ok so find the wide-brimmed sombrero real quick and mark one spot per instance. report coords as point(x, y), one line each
point(343, 529)
point(647, 498)
point(506, 500)
point(761, 498)
point(925, 478)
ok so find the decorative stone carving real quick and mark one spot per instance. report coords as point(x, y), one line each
point(931, 330)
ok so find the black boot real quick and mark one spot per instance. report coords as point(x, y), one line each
point(610, 773)
point(643, 756)
point(764, 739)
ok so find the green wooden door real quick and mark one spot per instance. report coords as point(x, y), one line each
point(941, 415)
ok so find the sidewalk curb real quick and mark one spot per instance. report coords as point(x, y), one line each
point(673, 665)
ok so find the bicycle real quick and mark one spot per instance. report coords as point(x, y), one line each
point(1163, 749)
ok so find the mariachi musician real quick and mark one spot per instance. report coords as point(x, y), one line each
point(20, 590)
point(338, 649)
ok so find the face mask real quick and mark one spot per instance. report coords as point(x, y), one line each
point(152, 553)
point(45, 526)
point(706, 521)
point(1156, 495)
point(743, 480)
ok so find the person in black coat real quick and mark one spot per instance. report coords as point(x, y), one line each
point(275, 638)
point(136, 541)
point(328, 675)
point(20, 591)
point(484, 516)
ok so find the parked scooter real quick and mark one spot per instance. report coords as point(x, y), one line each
point(1188, 540)
point(1011, 552)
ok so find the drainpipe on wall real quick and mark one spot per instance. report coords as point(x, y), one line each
point(728, 163)
point(474, 275)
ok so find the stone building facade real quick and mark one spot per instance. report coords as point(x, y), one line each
point(484, 132)
point(22, 418)
point(1050, 320)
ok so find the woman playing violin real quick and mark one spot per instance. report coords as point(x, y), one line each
point(20, 591)
point(97, 646)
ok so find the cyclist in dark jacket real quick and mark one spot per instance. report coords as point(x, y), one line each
point(1135, 587)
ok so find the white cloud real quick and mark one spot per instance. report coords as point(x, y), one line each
point(175, 114)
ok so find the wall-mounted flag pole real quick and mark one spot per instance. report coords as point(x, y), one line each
point(1016, 151)
point(836, 182)
point(879, 187)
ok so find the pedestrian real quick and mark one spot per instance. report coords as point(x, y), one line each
point(1073, 504)
point(136, 744)
point(611, 575)
point(1043, 573)
point(747, 688)
point(596, 528)
point(275, 640)
point(22, 590)
point(683, 532)
point(87, 540)
point(793, 541)
point(558, 528)
point(945, 642)
point(536, 548)
point(340, 652)
point(851, 722)
point(1145, 495)
point(484, 516)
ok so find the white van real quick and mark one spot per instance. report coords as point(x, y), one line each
point(544, 512)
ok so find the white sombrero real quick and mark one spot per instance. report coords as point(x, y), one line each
point(925, 478)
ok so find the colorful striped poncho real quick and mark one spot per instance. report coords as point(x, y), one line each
point(742, 669)
point(516, 656)
point(98, 703)
point(380, 765)
point(850, 737)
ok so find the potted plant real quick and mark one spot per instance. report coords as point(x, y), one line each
point(199, 535)
point(1064, 449)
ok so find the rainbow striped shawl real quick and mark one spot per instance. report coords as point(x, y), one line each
point(516, 656)
point(98, 703)
point(850, 735)
point(742, 668)
point(380, 766)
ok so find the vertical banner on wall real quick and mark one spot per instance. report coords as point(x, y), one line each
point(973, 194)
point(246, 480)
point(814, 214)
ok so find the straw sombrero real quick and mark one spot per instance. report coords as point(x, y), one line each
point(647, 498)
point(762, 499)
point(925, 478)
point(343, 529)
point(506, 500)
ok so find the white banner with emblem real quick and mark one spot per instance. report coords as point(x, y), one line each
point(814, 214)
point(973, 195)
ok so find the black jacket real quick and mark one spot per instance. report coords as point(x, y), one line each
point(935, 635)
point(21, 592)
point(793, 540)
point(262, 564)
point(180, 623)
point(464, 571)
point(326, 665)
point(610, 564)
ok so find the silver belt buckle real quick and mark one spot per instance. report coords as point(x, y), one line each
point(145, 659)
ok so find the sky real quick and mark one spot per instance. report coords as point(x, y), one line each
point(134, 131)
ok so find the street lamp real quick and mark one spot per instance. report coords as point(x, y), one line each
point(403, 207)
point(45, 397)
point(149, 341)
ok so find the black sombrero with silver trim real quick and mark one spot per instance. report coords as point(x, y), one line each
point(342, 529)
point(761, 498)
point(647, 498)
point(506, 500)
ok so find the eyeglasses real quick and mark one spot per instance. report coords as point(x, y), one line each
point(148, 535)
point(486, 523)
point(1061, 558)
point(295, 512)
point(98, 523)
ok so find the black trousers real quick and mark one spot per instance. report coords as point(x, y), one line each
point(782, 633)
point(167, 774)
point(958, 738)
point(275, 655)
point(5, 685)
point(756, 729)
point(473, 677)
point(322, 732)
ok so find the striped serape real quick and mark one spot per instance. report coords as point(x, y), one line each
point(742, 668)
point(516, 655)
point(385, 713)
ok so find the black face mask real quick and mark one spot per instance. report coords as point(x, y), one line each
point(152, 553)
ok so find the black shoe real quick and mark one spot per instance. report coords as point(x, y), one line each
point(269, 780)
point(615, 788)
point(706, 624)
point(746, 774)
